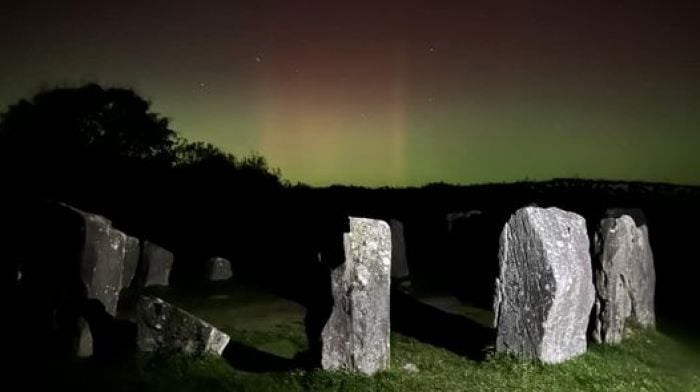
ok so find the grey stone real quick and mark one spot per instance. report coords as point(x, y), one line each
point(399, 262)
point(101, 259)
point(85, 343)
point(624, 277)
point(410, 368)
point(132, 254)
point(156, 263)
point(163, 327)
point(356, 336)
point(544, 292)
point(218, 269)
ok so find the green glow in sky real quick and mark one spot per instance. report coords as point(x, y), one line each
point(392, 93)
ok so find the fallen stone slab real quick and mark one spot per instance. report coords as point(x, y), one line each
point(162, 327)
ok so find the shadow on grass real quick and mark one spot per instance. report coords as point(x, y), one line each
point(455, 333)
point(250, 359)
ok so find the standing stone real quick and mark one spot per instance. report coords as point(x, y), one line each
point(625, 278)
point(85, 343)
point(132, 254)
point(102, 260)
point(156, 263)
point(218, 269)
point(165, 327)
point(399, 263)
point(544, 293)
point(356, 336)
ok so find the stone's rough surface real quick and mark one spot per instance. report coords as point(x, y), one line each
point(356, 336)
point(132, 254)
point(102, 260)
point(218, 268)
point(544, 293)
point(156, 263)
point(164, 327)
point(625, 279)
point(399, 263)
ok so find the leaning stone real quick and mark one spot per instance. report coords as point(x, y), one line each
point(218, 269)
point(625, 278)
point(544, 293)
point(131, 260)
point(162, 327)
point(156, 263)
point(356, 336)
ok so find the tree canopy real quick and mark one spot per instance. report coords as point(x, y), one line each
point(65, 137)
point(85, 125)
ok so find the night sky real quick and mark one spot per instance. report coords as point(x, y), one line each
point(391, 92)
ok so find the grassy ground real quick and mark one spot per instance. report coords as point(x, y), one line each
point(269, 332)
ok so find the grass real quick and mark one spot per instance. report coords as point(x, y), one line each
point(647, 361)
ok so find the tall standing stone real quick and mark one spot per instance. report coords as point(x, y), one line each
point(156, 263)
point(625, 278)
point(399, 262)
point(132, 254)
point(218, 269)
point(356, 336)
point(74, 263)
point(102, 260)
point(544, 293)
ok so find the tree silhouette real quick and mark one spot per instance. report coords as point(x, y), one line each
point(84, 141)
point(85, 125)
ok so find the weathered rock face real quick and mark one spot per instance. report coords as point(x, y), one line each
point(624, 278)
point(154, 268)
point(356, 336)
point(218, 269)
point(399, 263)
point(167, 328)
point(544, 292)
point(132, 254)
point(102, 260)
